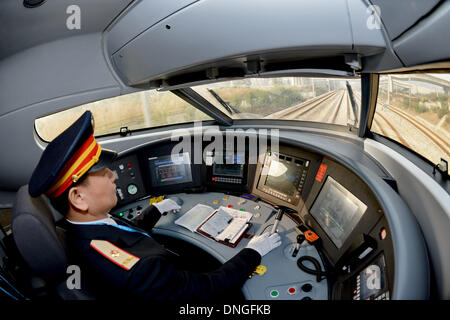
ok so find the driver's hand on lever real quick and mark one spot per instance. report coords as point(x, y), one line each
point(264, 243)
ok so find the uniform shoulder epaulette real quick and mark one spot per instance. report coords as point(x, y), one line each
point(115, 254)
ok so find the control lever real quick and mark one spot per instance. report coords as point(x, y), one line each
point(281, 211)
point(300, 239)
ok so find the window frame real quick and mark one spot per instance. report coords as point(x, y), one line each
point(417, 159)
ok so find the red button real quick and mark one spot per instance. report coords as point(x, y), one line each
point(129, 164)
point(229, 206)
point(291, 290)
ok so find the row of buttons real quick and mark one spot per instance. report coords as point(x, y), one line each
point(277, 194)
point(227, 180)
point(130, 212)
point(384, 296)
point(122, 167)
point(291, 290)
point(129, 166)
point(302, 181)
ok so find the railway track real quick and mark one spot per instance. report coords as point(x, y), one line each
point(329, 111)
point(442, 144)
point(338, 107)
point(323, 112)
point(295, 112)
point(400, 137)
point(436, 139)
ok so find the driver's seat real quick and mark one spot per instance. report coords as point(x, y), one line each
point(42, 244)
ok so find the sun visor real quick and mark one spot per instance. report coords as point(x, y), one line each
point(231, 38)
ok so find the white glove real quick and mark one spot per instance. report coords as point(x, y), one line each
point(264, 243)
point(166, 205)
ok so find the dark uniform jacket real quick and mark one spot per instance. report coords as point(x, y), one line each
point(157, 275)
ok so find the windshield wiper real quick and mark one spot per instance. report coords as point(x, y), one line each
point(199, 102)
point(225, 104)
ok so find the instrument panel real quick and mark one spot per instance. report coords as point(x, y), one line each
point(328, 198)
point(284, 177)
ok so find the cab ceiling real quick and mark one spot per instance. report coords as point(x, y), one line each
point(22, 28)
point(184, 41)
point(156, 42)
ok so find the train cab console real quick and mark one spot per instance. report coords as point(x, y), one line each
point(353, 256)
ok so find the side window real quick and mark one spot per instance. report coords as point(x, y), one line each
point(413, 109)
point(145, 109)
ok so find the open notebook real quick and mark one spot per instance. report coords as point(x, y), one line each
point(225, 225)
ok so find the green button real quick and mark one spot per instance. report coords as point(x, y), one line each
point(241, 209)
point(121, 214)
point(274, 293)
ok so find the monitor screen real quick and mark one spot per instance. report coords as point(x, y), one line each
point(283, 176)
point(170, 169)
point(230, 166)
point(373, 279)
point(337, 211)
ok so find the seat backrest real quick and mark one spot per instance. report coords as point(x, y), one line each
point(40, 243)
point(43, 245)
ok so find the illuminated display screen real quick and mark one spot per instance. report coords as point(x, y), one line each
point(283, 176)
point(231, 166)
point(337, 211)
point(170, 170)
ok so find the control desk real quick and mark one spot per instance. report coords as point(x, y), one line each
point(323, 196)
point(282, 280)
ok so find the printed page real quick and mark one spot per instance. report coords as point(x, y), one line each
point(194, 218)
point(237, 235)
point(238, 214)
point(217, 223)
point(237, 226)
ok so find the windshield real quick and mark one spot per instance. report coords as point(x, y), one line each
point(140, 110)
point(413, 109)
point(325, 100)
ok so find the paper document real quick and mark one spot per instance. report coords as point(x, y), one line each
point(195, 217)
point(229, 225)
point(238, 214)
point(217, 223)
point(236, 227)
point(223, 224)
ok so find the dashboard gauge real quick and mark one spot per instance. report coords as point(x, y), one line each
point(132, 189)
